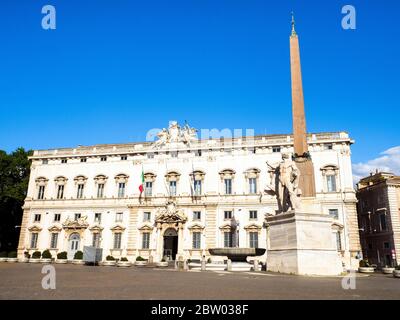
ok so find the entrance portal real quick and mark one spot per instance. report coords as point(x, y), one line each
point(73, 245)
point(170, 244)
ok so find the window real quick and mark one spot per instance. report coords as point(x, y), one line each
point(37, 218)
point(41, 192)
point(228, 186)
point(148, 189)
point(121, 189)
point(97, 217)
point(60, 192)
point(331, 182)
point(227, 215)
point(96, 240)
point(370, 246)
point(196, 243)
point(338, 241)
point(172, 188)
point(328, 146)
point(34, 240)
point(197, 153)
point(228, 240)
point(196, 215)
point(386, 245)
point(83, 159)
point(197, 187)
point(383, 224)
point(276, 149)
point(77, 216)
point(104, 158)
point(174, 154)
point(45, 161)
point(150, 155)
point(334, 213)
point(252, 185)
point(146, 240)
point(100, 190)
point(63, 160)
point(253, 237)
point(146, 216)
point(124, 157)
point(79, 193)
point(253, 215)
point(119, 216)
point(57, 217)
point(53, 241)
point(117, 240)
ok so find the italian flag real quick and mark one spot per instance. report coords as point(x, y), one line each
point(141, 187)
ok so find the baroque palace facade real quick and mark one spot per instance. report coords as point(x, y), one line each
point(198, 194)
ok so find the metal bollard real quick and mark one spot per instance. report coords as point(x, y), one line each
point(203, 264)
point(229, 265)
point(255, 264)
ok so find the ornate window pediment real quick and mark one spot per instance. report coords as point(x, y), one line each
point(329, 169)
point(150, 177)
point(96, 228)
point(253, 227)
point(100, 178)
point(41, 181)
point(337, 226)
point(196, 227)
point(227, 227)
point(35, 228)
point(121, 178)
point(80, 179)
point(172, 176)
point(60, 180)
point(198, 175)
point(146, 228)
point(170, 214)
point(227, 174)
point(118, 228)
point(252, 173)
point(55, 228)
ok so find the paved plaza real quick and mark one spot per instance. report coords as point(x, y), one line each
point(23, 281)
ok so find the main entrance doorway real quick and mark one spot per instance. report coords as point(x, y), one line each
point(170, 244)
point(73, 245)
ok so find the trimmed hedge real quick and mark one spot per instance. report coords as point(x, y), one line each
point(3, 254)
point(46, 254)
point(36, 255)
point(62, 255)
point(12, 254)
point(110, 258)
point(140, 259)
point(78, 255)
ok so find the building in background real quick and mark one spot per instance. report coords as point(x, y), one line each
point(379, 218)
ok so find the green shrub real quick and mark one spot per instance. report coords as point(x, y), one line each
point(163, 260)
point(62, 255)
point(78, 255)
point(110, 258)
point(46, 254)
point(36, 255)
point(364, 264)
point(397, 267)
point(12, 254)
point(3, 254)
point(140, 259)
point(27, 255)
point(209, 260)
point(124, 259)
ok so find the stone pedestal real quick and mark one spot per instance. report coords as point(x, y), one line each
point(302, 243)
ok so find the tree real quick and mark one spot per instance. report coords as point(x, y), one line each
point(14, 178)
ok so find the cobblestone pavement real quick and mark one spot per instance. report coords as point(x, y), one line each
point(23, 281)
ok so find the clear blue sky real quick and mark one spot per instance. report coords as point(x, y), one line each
point(112, 70)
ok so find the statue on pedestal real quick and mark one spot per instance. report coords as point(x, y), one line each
point(286, 187)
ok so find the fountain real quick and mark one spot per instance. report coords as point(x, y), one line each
point(238, 256)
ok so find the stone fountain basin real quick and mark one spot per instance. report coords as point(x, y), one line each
point(237, 254)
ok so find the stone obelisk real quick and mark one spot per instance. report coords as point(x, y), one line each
point(301, 154)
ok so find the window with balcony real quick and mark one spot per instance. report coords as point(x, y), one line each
point(252, 185)
point(34, 240)
point(60, 191)
point(228, 186)
point(172, 188)
point(79, 193)
point(41, 192)
point(96, 240)
point(197, 187)
point(100, 190)
point(121, 189)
